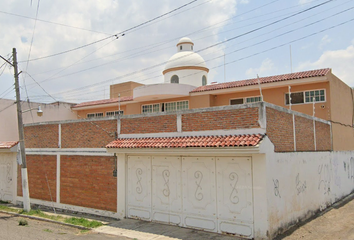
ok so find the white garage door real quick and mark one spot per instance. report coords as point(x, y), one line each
point(209, 193)
point(6, 179)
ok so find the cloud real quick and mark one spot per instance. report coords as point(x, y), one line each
point(341, 61)
point(244, 1)
point(266, 68)
point(301, 2)
point(324, 41)
point(106, 62)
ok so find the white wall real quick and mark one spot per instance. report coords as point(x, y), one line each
point(190, 76)
point(8, 116)
point(8, 177)
point(301, 183)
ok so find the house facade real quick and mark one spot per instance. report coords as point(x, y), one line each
point(249, 158)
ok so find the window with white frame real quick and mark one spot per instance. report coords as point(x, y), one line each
point(253, 99)
point(150, 108)
point(114, 113)
point(315, 96)
point(306, 97)
point(94, 115)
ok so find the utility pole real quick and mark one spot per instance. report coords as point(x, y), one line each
point(25, 189)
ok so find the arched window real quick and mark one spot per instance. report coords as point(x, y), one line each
point(174, 79)
point(204, 80)
point(180, 47)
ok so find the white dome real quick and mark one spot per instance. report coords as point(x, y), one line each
point(185, 59)
point(185, 40)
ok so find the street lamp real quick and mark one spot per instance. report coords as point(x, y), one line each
point(39, 111)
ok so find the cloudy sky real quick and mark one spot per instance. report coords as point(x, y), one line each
point(73, 50)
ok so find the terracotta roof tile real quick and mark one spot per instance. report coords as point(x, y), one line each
point(8, 145)
point(270, 79)
point(104, 101)
point(186, 142)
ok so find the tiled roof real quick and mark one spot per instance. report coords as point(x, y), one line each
point(270, 79)
point(8, 145)
point(188, 142)
point(105, 101)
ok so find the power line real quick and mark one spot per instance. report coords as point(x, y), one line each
point(122, 33)
point(211, 46)
point(60, 24)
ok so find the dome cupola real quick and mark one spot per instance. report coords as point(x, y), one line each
point(186, 66)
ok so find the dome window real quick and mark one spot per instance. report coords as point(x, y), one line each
point(174, 79)
point(192, 47)
point(204, 80)
point(180, 47)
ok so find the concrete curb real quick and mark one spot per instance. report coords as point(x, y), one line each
point(46, 220)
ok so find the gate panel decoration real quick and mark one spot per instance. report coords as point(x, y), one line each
point(139, 187)
point(234, 191)
point(209, 193)
point(166, 190)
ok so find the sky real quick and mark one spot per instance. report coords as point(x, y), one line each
point(73, 51)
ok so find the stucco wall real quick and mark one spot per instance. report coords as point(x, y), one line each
point(299, 184)
point(342, 114)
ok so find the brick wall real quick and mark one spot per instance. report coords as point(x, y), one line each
point(42, 171)
point(155, 124)
point(280, 130)
point(224, 119)
point(93, 134)
point(323, 137)
point(304, 134)
point(88, 181)
point(42, 136)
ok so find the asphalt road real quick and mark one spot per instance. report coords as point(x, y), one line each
point(40, 230)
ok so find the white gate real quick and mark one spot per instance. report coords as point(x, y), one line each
point(213, 194)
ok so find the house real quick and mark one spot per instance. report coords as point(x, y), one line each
point(318, 92)
point(234, 158)
point(51, 112)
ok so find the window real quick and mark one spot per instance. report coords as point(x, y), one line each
point(114, 113)
point(180, 47)
point(165, 107)
point(204, 80)
point(306, 97)
point(151, 108)
point(191, 47)
point(253, 99)
point(315, 96)
point(236, 101)
point(174, 79)
point(94, 115)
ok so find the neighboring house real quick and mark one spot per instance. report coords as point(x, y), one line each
point(51, 112)
point(185, 87)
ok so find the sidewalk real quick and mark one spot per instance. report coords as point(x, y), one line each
point(336, 222)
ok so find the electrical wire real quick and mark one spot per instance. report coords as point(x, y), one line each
point(122, 33)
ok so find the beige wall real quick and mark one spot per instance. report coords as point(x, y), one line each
point(342, 114)
point(277, 96)
point(8, 116)
point(124, 89)
point(83, 113)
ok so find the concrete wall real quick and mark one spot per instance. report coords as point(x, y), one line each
point(124, 89)
point(8, 176)
point(300, 184)
point(8, 116)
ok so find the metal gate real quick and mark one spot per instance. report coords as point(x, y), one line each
point(209, 193)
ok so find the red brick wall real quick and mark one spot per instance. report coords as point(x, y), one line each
point(42, 136)
point(224, 119)
point(155, 124)
point(88, 181)
point(42, 170)
point(304, 134)
point(280, 130)
point(94, 134)
point(323, 137)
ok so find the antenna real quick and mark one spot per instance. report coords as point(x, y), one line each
point(260, 88)
point(289, 97)
point(224, 69)
point(291, 61)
